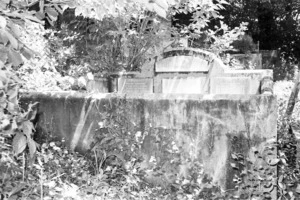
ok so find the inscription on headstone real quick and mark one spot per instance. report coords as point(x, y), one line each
point(135, 85)
point(188, 85)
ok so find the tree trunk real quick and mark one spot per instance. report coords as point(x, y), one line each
point(293, 97)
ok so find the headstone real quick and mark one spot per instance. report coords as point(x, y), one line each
point(188, 85)
point(234, 85)
point(135, 85)
point(182, 64)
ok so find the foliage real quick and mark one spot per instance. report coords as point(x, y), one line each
point(130, 37)
point(114, 44)
point(227, 39)
point(10, 22)
point(14, 15)
point(244, 44)
point(258, 174)
point(21, 36)
point(274, 24)
point(288, 139)
point(16, 129)
point(206, 29)
point(14, 122)
point(55, 174)
point(99, 9)
point(283, 89)
point(39, 73)
point(203, 12)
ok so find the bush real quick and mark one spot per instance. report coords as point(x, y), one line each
point(245, 44)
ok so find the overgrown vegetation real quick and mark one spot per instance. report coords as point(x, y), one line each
point(113, 168)
point(121, 43)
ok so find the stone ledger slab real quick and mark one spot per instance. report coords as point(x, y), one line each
point(182, 64)
point(135, 85)
point(189, 85)
point(234, 85)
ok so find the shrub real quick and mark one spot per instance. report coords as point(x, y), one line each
point(244, 44)
point(16, 132)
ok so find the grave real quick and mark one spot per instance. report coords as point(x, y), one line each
point(205, 111)
point(192, 71)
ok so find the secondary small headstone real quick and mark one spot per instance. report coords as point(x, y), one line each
point(98, 85)
point(135, 85)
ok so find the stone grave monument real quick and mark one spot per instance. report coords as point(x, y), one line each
point(193, 71)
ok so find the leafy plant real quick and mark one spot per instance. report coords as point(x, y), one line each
point(55, 171)
point(120, 43)
point(16, 130)
point(244, 44)
point(258, 175)
point(14, 122)
point(206, 30)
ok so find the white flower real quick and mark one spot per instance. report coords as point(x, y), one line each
point(90, 76)
point(101, 124)
point(82, 82)
point(152, 159)
point(138, 136)
point(174, 147)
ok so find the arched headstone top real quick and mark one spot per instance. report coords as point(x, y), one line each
point(189, 52)
point(187, 60)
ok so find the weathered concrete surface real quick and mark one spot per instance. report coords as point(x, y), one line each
point(234, 85)
point(199, 127)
